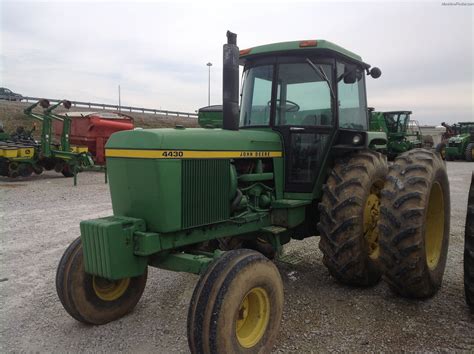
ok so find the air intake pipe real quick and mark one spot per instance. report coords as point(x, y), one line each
point(230, 83)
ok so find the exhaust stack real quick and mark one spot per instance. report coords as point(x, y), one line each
point(230, 83)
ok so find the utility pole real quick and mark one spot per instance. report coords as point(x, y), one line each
point(120, 101)
point(209, 85)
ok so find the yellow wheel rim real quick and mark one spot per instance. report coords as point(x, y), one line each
point(109, 290)
point(371, 219)
point(434, 226)
point(443, 153)
point(252, 317)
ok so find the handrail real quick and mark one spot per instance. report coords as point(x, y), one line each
point(119, 108)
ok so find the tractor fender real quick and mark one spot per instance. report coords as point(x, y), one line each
point(378, 139)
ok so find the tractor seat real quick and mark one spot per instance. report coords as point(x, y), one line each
point(312, 119)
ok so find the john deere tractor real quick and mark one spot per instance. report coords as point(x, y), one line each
point(461, 146)
point(396, 125)
point(293, 161)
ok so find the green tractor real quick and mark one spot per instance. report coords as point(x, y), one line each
point(401, 136)
point(461, 146)
point(293, 161)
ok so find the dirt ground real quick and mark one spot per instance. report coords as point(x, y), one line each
point(39, 217)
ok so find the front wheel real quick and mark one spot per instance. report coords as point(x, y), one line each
point(236, 306)
point(92, 299)
point(414, 224)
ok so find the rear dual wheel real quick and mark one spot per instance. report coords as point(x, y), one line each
point(350, 210)
point(92, 299)
point(236, 306)
point(395, 224)
point(414, 224)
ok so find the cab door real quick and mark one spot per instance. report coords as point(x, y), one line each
point(303, 114)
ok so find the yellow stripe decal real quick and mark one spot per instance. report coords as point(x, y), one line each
point(189, 154)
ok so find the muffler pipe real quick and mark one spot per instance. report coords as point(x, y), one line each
point(230, 83)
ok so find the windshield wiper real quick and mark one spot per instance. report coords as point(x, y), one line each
point(319, 70)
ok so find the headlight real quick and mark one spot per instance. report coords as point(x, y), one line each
point(356, 139)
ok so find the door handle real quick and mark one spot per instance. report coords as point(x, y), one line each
point(295, 129)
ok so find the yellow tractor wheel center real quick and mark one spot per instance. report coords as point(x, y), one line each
point(252, 318)
point(434, 226)
point(371, 218)
point(110, 290)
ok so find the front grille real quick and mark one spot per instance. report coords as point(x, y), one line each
point(205, 192)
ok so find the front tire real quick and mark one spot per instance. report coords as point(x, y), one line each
point(414, 224)
point(349, 216)
point(236, 306)
point(91, 299)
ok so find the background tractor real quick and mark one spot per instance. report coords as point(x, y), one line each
point(461, 145)
point(403, 134)
point(291, 162)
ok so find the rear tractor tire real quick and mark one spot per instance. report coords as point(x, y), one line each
point(92, 299)
point(349, 212)
point(236, 306)
point(469, 249)
point(414, 224)
point(469, 154)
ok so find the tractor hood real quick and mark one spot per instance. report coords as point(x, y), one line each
point(457, 139)
point(181, 142)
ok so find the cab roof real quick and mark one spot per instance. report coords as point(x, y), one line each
point(314, 46)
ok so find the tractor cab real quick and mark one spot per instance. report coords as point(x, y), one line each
point(397, 122)
point(313, 94)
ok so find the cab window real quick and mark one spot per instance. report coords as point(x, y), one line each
point(256, 96)
point(303, 95)
point(351, 98)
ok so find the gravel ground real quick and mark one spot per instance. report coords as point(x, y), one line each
point(39, 217)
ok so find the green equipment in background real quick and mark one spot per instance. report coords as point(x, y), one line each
point(210, 116)
point(403, 134)
point(21, 155)
point(293, 161)
point(461, 146)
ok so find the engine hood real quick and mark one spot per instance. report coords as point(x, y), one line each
point(181, 142)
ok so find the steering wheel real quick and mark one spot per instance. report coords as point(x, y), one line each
point(288, 106)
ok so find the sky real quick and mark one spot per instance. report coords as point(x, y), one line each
point(157, 51)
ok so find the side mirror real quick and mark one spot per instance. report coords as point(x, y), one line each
point(375, 72)
point(350, 74)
